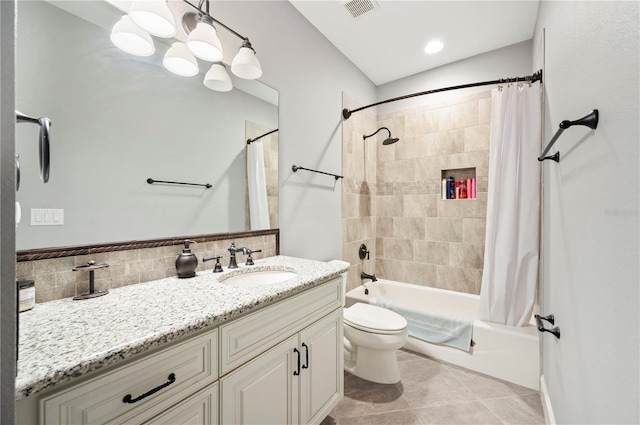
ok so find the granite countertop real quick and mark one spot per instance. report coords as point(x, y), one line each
point(65, 339)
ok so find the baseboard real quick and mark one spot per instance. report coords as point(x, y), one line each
point(549, 419)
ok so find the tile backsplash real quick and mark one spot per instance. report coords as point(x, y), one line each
point(54, 278)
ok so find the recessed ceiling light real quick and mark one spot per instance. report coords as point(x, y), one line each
point(434, 46)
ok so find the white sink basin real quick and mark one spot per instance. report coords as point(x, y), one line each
point(259, 278)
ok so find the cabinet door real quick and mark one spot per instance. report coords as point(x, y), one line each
point(322, 380)
point(199, 409)
point(264, 391)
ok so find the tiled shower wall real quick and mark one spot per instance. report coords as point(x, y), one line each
point(54, 278)
point(358, 190)
point(420, 238)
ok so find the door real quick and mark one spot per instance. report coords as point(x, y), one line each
point(263, 391)
point(322, 376)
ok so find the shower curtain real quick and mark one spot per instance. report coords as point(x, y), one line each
point(257, 184)
point(510, 272)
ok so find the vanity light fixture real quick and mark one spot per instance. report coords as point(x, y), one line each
point(217, 78)
point(203, 41)
point(154, 17)
point(131, 38)
point(245, 64)
point(180, 61)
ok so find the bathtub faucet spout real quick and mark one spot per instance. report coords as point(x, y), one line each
point(363, 275)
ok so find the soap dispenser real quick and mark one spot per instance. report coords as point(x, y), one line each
point(187, 262)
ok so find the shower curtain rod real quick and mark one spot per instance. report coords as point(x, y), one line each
point(537, 76)
point(249, 141)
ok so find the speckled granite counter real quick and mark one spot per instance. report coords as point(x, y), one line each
point(62, 340)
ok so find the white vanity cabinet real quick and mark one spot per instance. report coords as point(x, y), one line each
point(281, 364)
point(165, 381)
point(297, 376)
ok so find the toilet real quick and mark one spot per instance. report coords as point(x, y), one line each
point(372, 335)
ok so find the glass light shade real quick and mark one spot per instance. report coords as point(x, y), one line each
point(245, 64)
point(217, 78)
point(131, 38)
point(154, 17)
point(180, 61)
point(204, 43)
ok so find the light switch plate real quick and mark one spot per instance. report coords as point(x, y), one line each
point(47, 217)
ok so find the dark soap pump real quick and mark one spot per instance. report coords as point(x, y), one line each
point(186, 262)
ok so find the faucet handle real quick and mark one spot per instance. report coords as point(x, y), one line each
point(218, 267)
point(249, 261)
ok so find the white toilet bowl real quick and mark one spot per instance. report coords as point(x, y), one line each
point(371, 336)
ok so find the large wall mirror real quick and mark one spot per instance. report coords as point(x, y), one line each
point(118, 120)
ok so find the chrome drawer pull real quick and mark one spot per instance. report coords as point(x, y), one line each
point(128, 399)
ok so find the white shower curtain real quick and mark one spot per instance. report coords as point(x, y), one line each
point(510, 273)
point(257, 183)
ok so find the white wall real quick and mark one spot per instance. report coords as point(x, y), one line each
point(310, 74)
point(590, 232)
point(510, 61)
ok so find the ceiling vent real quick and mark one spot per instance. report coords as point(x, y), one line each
point(358, 8)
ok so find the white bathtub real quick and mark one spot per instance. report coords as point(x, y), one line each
point(505, 352)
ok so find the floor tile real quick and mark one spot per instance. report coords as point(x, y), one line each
point(526, 409)
point(457, 414)
point(365, 398)
point(435, 392)
point(486, 387)
point(429, 383)
point(404, 417)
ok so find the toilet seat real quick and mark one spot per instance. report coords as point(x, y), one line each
point(374, 319)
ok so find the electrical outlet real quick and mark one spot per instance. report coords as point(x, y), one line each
point(47, 217)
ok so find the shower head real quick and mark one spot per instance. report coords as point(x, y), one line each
point(388, 141)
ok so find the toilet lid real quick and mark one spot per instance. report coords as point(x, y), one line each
point(373, 318)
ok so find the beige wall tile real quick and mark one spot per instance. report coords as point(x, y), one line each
point(389, 206)
point(458, 279)
point(431, 252)
point(476, 138)
point(473, 230)
point(430, 168)
point(389, 269)
point(384, 227)
point(422, 122)
point(466, 256)
point(420, 273)
point(447, 142)
point(442, 229)
point(458, 116)
point(398, 249)
point(411, 228)
point(484, 111)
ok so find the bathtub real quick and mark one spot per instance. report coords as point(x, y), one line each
point(506, 352)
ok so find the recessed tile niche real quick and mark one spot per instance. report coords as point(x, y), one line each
point(468, 175)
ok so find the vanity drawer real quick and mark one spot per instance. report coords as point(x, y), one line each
point(251, 335)
point(167, 377)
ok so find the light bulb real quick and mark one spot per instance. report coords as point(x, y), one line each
point(204, 43)
point(131, 38)
point(217, 78)
point(154, 17)
point(180, 61)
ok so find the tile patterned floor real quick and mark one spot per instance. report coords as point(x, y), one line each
point(433, 392)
